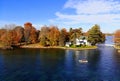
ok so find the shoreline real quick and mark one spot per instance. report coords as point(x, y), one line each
point(57, 47)
point(37, 46)
point(116, 47)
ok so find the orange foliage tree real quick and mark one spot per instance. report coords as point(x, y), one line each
point(117, 36)
point(30, 33)
point(53, 35)
point(18, 34)
point(33, 35)
point(2, 32)
point(7, 38)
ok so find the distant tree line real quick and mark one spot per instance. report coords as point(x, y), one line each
point(47, 35)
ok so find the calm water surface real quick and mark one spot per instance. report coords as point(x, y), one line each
point(58, 64)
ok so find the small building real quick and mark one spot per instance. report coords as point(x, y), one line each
point(68, 44)
point(81, 41)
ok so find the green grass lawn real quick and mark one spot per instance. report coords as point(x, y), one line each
point(83, 46)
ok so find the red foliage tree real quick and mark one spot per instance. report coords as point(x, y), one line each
point(30, 33)
point(33, 35)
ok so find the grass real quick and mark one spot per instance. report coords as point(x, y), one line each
point(83, 46)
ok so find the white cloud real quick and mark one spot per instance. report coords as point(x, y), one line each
point(90, 11)
point(98, 18)
point(93, 6)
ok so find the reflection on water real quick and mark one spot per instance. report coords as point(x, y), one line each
point(57, 64)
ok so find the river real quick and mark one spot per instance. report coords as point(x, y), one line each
point(59, 64)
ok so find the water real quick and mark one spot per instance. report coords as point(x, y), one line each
point(58, 64)
point(109, 40)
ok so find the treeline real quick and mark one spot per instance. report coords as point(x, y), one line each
point(47, 35)
point(117, 37)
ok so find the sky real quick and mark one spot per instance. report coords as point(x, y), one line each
point(62, 13)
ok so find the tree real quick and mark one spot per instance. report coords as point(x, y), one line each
point(43, 35)
point(7, 38)
point(95, 35)
point(63, 37)
point(2, 32)
point(117, 36)
point(75, 34)
point(33, 35)
point(53, 35)
point(7, 34)
point(27, 29)
point(30, 33)
point(19, 34)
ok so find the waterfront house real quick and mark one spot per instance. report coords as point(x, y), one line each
point(81, 41)
point(68, 44)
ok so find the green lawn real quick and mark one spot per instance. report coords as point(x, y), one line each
point(83, 46)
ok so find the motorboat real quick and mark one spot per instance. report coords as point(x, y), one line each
point(83, 61)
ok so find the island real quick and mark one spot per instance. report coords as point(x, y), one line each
point(50, 37)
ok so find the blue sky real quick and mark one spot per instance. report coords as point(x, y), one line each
point(63, 13)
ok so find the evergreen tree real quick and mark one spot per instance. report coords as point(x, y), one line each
point(95, 35)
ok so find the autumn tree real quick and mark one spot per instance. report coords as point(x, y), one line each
point(53, 35)
point(63, 37)
point(30, 33)
point(95, 35)
point(2, 32)
point(7, 38)
point(43, 36)
point(27, 29)
point(7, 34)
point(117, 36)
point(33, 35)
point(18, 34)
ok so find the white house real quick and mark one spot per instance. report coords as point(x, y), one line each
point(68, 44)
point(78, 42)
point(81, 41)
